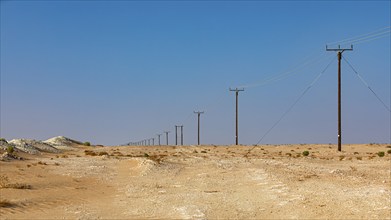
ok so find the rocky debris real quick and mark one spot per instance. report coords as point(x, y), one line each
point(4, 145)
point(61, 142)
point(25, 146)
point(9, 156)
point(32, 146)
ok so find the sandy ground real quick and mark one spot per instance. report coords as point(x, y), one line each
point(199, 182)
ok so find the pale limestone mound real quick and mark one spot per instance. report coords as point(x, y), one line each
point(62, 142)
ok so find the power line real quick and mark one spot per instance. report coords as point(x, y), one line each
point(294, 103)
point(285, 74)
point(352, 39)
point(366, 84)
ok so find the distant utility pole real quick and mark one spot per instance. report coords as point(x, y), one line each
point(198, 114)
point(237, 95)
point(181, 134)
point(166, 136)
point(176, 134)
point(340, 51)
point(153, 141)
point(149, 142)
point(158, 137)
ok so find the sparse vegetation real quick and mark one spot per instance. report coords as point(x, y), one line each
point(341, 157)
point(306, 153)
point(87, 143)
point(4, 140)
point(4, 183)
point(146, 155)
point(10, 149)
point(5, 203)
point(90, 153)
point(204, 152)
point(380, 153)
point(389, 151)
point(359, 158)
point(103, 153)
point(389, 146)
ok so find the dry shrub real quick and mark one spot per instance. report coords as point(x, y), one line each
point(341, 157)
point(5, 203)
point(103, 153)
point(359, 158)
point(4, 183)
point(17, 186)
point(90, 153)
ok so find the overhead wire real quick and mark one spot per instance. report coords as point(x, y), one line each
point(366, 84)
point(307, 62)
point(351, 39)
point(294, 104)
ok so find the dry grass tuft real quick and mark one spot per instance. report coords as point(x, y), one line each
point(4, 183)
point(6, 204)
point(90, 153)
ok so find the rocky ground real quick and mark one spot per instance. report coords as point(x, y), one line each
point(198, 182)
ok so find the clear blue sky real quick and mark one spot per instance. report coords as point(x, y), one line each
point(111, 72)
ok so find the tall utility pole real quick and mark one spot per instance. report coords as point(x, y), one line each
point(149, 142)
point(153, 141)
point(198, 113)
point(237, 95)
point(181, 134)
point(339, 54)
point(176, 134)
point(166, 132)
point(158, 138)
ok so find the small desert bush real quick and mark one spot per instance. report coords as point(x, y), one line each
point(306, 153)
point(341, 157)
point(4, 183)
point(204, 152)
point(18, 186)
point(380, 153)
point(389, 146)
point(10, 149)
point(90, 153)
point(103, 153)
point(87, 143)
point(389, 151)
point(4, 140)
point(359, 158)
point(146, 155)
point(5, 203)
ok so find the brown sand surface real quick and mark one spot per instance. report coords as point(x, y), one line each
point(199, 182)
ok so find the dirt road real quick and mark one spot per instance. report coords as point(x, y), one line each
point(200, 182)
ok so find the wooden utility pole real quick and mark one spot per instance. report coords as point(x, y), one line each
point(166, 132)
point(181, 135)
point(176, 134)
point(339, 54)
point(237, 120)
point(198, 114)
point(158, 138)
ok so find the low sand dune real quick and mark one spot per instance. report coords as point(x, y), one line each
point(199, 182)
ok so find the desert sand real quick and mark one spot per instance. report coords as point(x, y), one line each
point(198, 182)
